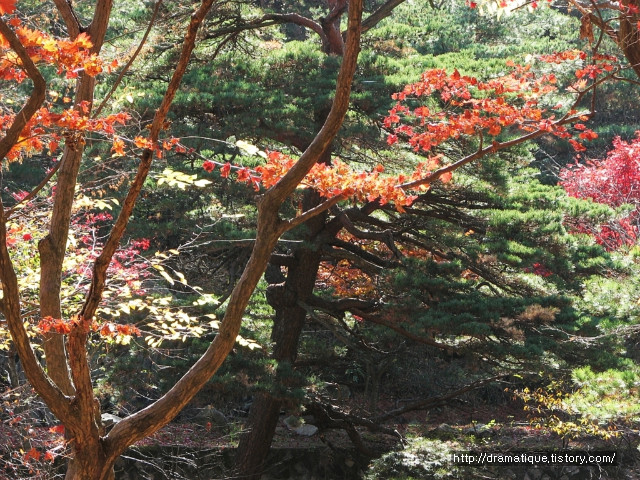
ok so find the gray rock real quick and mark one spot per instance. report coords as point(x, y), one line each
point(292, 422)
point(306, 430)
point(210, 415)
point(480, 430)
point(109, 420)
point(445, 428)
point(297, 425)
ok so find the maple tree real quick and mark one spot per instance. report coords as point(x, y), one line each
point(452, 107)
point(471, 108)
point(611, 181)
point(67, 386)
point(619, 22)
point(291, 291)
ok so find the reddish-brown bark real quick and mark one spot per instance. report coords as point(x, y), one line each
point(68, 388)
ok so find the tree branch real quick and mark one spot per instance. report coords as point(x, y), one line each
point(385, 237)
point(298, 20)
point(54, 397)
point(323, 207)
point(331, 27)
point(36, 99)
point(342, 304)
point(97, 29)
point(69, 16)
point(357, 259)
point(405, 333)
point(483, 151)
point(35, 191)
point(81, 421)
point(380, 14)
point(124, 69)
point(434, 402)
point(164, 409)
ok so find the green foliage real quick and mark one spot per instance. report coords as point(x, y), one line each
point(454, 27)
point(421, 458)
point(596, 404)
point(605, 396)
point(504, 278)
point(513, 273)
point(614, 299)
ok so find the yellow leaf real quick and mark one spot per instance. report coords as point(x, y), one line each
point(167, 277)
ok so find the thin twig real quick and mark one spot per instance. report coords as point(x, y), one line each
point(131, 60)
point(35, 191)
point(300, 219)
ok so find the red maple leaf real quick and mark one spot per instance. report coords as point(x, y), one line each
point(612, 181)
point(57, 429)
point(33, 453)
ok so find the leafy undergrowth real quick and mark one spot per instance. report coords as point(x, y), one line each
point(29, 451)
point(504, 429)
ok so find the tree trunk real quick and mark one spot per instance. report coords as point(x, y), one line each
point(628, 38)
point(288, 322)
point(90, 462)
point(86, 466)
point(256, 441)
point(53, 247)
point(333, 43)
point(52, 251)
point(94, 455)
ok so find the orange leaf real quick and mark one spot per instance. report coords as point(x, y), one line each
point(57, 429)
point(243, 175)
point(83, 40)
point(107, 330)
point(33, 453)
point(494, 130)
point(7, 6)
point(142, 142)
point(118, 147)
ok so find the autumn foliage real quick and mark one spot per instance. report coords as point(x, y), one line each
point(470, 107)
point(612, 181)
point(106, 329)
point(106, 280)
point(7, 6)
point(443, 107)
point(54, 121)
point(69, 56)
